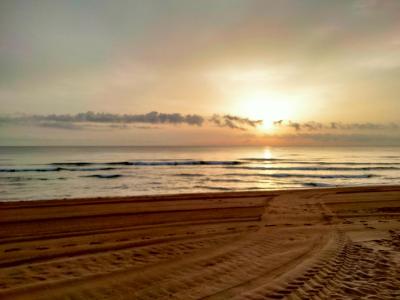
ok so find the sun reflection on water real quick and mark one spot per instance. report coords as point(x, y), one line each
point(267, 153)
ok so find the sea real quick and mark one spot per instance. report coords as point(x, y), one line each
point(36, 173)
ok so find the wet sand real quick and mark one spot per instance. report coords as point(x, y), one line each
point(337, 243)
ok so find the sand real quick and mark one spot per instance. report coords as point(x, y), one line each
point(339, 243)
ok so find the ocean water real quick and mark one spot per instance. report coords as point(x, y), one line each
point(65, 172)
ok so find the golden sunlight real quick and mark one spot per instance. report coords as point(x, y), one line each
point(265, 106)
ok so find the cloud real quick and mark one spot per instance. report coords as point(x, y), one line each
point(154, 120)
point(365, 126)
point(234, 122)
point(317, 126)
point(150, 118)
point(121, 121)
point(65, 120)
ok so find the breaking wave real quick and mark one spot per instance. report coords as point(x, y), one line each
point(104, 176)
point(317, 184)
point(287, 175)
point(313, 162)
point(77, 166)
point(54, 169)
point(154, 163)
point(318, 168)
point(190, 175)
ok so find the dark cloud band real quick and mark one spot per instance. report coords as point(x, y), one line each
point(76, 121)
point(234, 122)
point(316, 126)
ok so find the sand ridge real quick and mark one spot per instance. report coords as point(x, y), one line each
point(331, 243)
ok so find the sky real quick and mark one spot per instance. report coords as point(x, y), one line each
point(210, 72)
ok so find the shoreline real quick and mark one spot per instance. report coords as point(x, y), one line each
point(325, 242)
point(240, 193)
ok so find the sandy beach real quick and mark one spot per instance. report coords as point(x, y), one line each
point(334, 243)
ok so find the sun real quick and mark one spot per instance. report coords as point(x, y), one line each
point(257, 93)
point(266, 106)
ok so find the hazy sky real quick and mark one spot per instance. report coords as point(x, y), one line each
point(299, 61)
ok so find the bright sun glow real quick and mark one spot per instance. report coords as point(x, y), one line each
point(258, 95)
point(266, 106)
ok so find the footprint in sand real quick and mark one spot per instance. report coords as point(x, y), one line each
point(42, 248)
point(12, 249)
point(122, 240)
point(95, 243)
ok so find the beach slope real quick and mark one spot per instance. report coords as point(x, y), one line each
point(331, 243)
